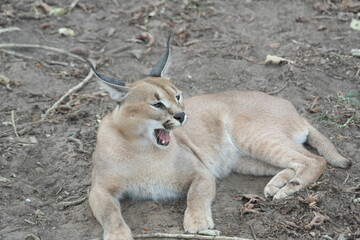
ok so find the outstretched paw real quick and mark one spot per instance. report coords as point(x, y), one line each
point(271, 190)
point(195, 222)
point(278, 182)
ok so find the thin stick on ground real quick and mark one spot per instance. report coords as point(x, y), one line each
point(59, 50)
point(183, 236)
point(279, 90)
point(16, 54)
point(73, 89)
point(9, 29)
point(4, 133)
point(80, 143)
point(252, 232)
point(186, 236)
point(64, 205)
point(13, 123)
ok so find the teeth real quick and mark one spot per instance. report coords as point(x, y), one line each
point(163, 142)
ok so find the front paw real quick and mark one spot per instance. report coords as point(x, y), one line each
point(196, 221)
point(118, 234)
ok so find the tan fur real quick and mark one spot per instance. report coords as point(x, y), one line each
point(244, 132)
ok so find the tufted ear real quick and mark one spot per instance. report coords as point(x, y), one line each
point(116, 88)
point(161, 67)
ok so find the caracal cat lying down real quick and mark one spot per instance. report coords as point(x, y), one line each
point(142, 151)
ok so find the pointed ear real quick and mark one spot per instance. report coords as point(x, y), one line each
point(161, 67)
point(116, 88)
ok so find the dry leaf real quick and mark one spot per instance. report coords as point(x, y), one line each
point(322, 28)
point(355, 52)
point(249, 207)
point(58, 11)
point(314, 101)
point(250, 210)
point(290, 224)
point(66, 32)
point(41, 7)
point(5, 81)
point(321, 7)
point(270, 59)
point(318, 220)
point(274, 45)
point(351, 6)
point(329, 166)
point(147, 38)
point(314, 110)
point(355, 189)
point(340, 137)
point(137, 53)
point(355, 24)
point(253, 198)
point(4, 180)
point(181, 35)
point(311, 200)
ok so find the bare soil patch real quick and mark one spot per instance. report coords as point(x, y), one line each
point(217, 46)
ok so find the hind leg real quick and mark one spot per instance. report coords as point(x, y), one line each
point(301, 168)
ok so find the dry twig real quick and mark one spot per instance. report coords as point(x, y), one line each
point(9, 29)
point(64, 205)
point(4, 133)
point(13, 123)
point(347, 178)
point(186, 236)
point(252, 232)
point(80, 143)
point(16, 54)
point(59, 50)
point(73, 5)
point(73, 89)
point(317, 220)
point(249, 207)
point(279, 90)
point(355, 189)
point(183, 236)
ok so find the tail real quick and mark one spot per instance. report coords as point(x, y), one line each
point(326, 148)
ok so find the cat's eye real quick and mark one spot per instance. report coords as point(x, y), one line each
point(159, 105)
point(178, 97)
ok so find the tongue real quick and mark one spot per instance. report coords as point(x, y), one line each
point(164, 135)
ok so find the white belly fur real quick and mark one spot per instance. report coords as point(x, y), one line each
point(227, 155)
point(301, 137)
point(151, 190)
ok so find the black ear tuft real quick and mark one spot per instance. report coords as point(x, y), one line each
point(105, 79)
point(116, 88)
point(160, 68)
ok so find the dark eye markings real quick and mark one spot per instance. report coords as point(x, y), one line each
point(159, 105)
point(178, 97)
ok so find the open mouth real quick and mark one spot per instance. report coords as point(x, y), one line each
point(162, 137)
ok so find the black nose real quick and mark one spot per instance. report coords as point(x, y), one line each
point(180, 116)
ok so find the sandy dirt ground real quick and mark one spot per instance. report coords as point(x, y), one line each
point(217, 46)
